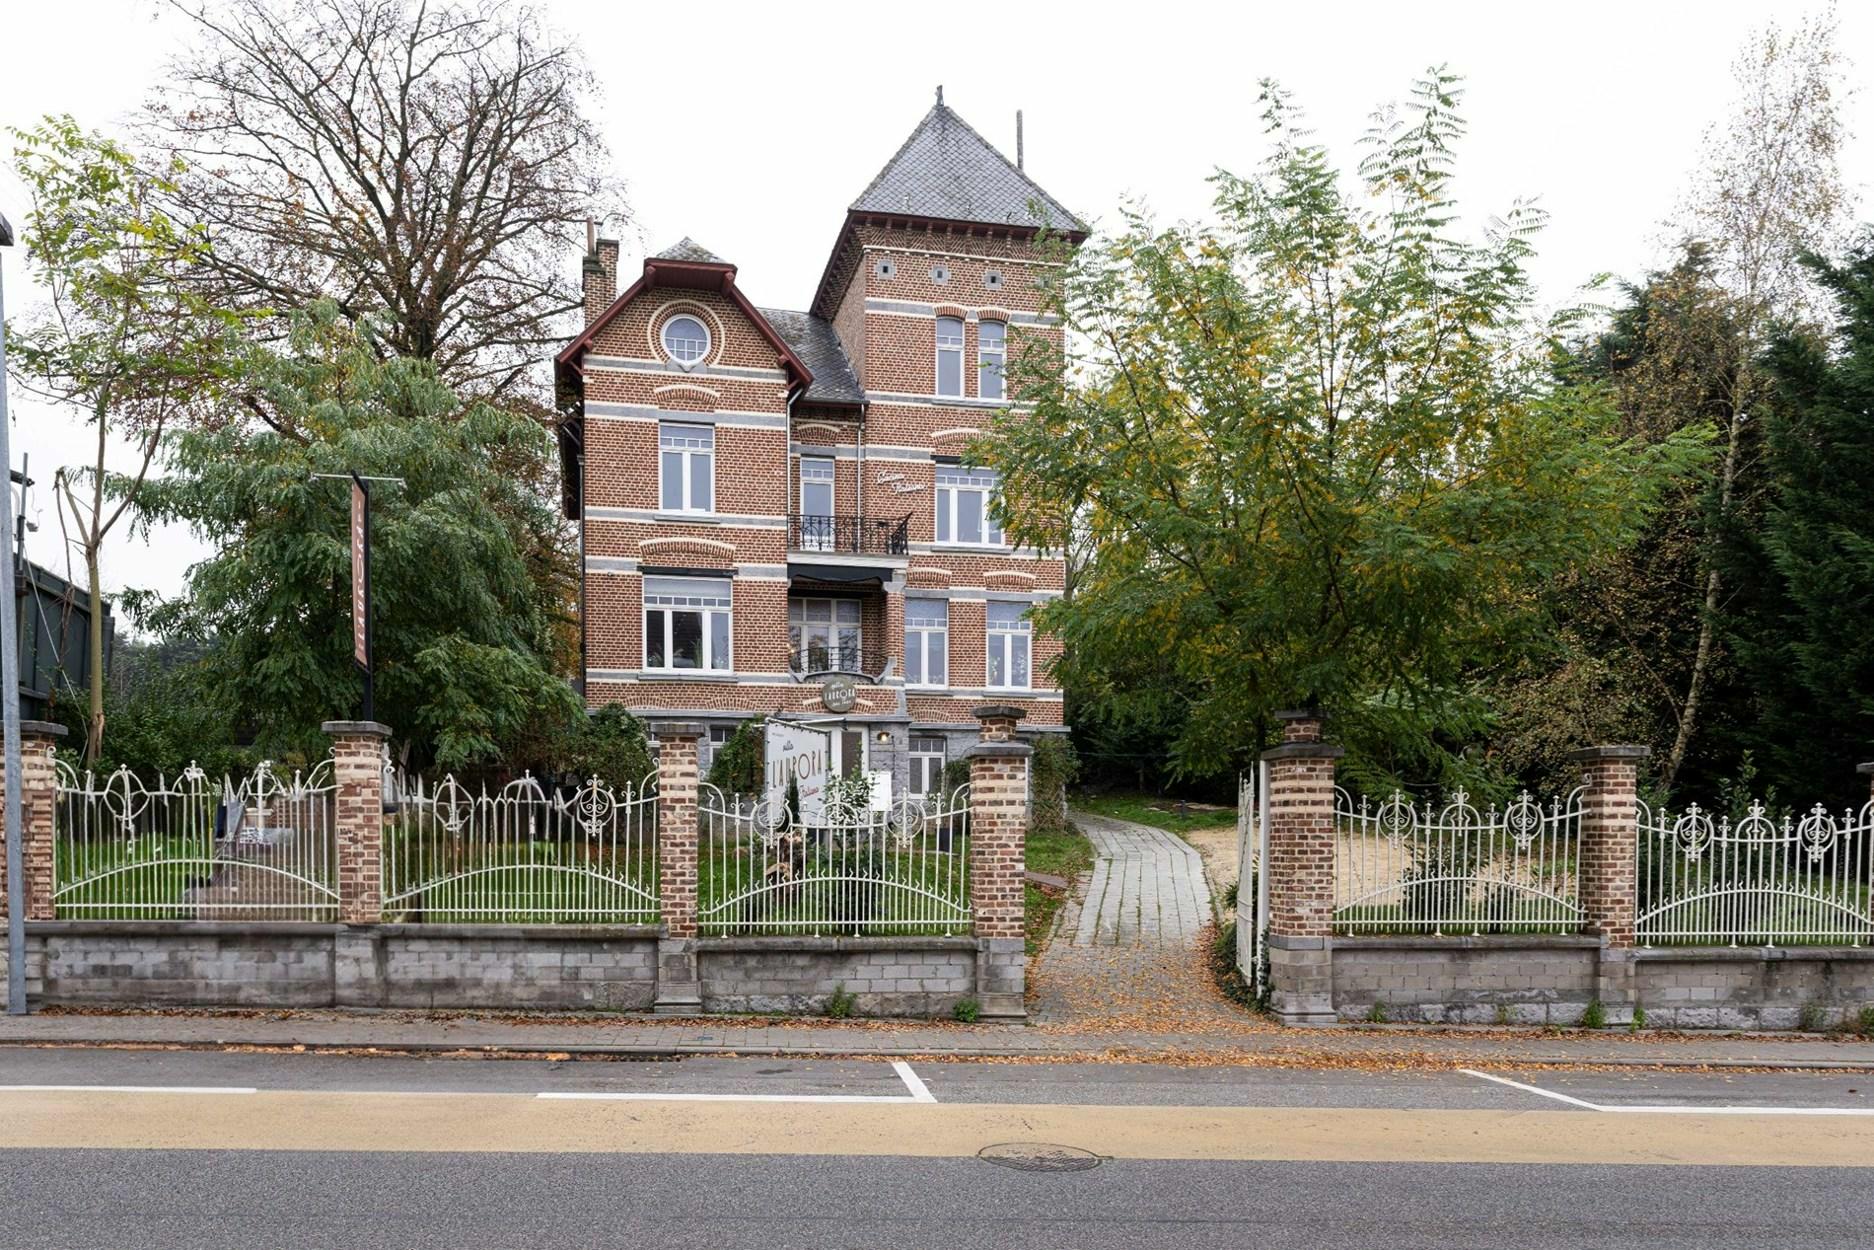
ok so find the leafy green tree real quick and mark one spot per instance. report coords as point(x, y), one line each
point(1804, 642)
point(1320, 450)
point(462, 642)
point(609, 744)
point(739, 762)
point(123, 337)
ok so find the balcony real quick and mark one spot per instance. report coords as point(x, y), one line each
point(818, 659)
point(848, 535)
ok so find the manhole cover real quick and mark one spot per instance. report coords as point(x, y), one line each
point(1036, 1156)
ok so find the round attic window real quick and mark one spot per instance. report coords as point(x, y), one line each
point(686, 339)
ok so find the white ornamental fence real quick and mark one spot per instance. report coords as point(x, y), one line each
point(192, 848)
point(1756, 881)
point(1406, 868)
point(523, 854)
point(856, 872)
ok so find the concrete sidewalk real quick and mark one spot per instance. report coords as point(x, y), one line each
point(634, 1036)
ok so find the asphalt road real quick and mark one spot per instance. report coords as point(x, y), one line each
point(166, 1149)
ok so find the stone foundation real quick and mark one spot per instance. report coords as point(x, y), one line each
point(1551, 980)
point(499, 968)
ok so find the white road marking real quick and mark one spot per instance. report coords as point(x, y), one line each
point(1665, 1108)
point(1531, 1089)
point(652, 1096)
point(920, 1092)
point(128, 1089)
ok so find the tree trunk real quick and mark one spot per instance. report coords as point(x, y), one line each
point(94, 724)
point(1708, 621)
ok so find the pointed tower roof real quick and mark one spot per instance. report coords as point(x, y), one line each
point(947, 172)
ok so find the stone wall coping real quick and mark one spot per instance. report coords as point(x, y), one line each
point(1299, 713)
point(991, 711)
point(782, 945)
point(677, 729)
point(356, 728)
point(1494, 941)
point(1289, 942)
point(42, 728)
point(1305, 751)
point(999, 750)
point(1750, 954)
point(1587, 754)
point(1866, 769)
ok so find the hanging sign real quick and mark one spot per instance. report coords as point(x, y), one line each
point(804, 756)
point(360, 575)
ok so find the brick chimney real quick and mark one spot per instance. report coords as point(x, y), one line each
point(599, 273)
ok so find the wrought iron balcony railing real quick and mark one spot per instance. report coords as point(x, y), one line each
point(816, 659)
point(848, 535)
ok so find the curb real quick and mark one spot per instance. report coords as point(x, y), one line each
point(678, 1050)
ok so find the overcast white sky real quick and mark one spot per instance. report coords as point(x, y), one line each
point(751, 127)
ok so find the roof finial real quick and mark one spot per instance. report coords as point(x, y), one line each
point(940, 95)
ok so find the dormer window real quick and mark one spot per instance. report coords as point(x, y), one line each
point(686, 340)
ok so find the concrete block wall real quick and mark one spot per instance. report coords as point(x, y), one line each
point(1551, 980)
point(499, 968)
point(886, 976)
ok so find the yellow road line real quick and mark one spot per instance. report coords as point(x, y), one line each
point(520, 1122)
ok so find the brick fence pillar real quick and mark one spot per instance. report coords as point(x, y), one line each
point(679, 977)
point(1607, 877)
point(998, 839)
point(1301, 871)
point(1867, 770)
point(358, 755)
point(38, 794)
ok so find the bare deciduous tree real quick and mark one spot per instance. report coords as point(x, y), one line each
point(434, 163)
point(1768, 190)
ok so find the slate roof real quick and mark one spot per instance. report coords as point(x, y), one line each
point(687, 248)
point(814, 341)
point(947, 171)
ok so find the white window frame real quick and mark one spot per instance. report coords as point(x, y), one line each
point(709, 598)
point(671, 441)
point(663, 340)
point(942, 347)
point(819, 537)
point(921, 761)
point(797, 629)
point(984, 371)
point(917, 642)
point(1000, 639)
point(952, 481)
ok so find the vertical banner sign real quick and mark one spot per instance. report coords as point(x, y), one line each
point(360, 575)
point(804, 756)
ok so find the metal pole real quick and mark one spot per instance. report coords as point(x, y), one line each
point(370, 659)
point(10, 695)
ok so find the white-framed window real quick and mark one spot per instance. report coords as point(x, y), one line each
point(687, 467)
point(927, 764)
point(686, 339)
point(687, 623)
point(1006, 640)
point(991, 353)
point(816, 503)
point(966, 507)
point(824, 634)
point(926, 642)
point(949, 355)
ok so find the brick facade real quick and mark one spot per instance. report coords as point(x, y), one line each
point(854, 381)
point(38, 793)
point(358, 773)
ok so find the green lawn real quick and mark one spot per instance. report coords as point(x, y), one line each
point(1161, 813)
point(1059, 853)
